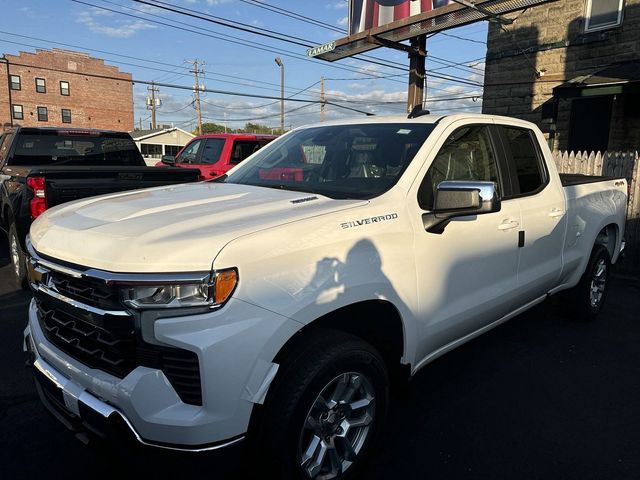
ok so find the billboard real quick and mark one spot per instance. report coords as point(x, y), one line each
point(368, 14)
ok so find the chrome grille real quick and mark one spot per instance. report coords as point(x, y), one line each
point(83, 317)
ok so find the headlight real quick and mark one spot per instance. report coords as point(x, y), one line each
point(210, 292)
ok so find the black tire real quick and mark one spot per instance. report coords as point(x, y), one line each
point(18, 260)
point(280, 431)
point(587, 298)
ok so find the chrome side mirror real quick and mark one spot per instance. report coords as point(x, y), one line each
point(460, 198)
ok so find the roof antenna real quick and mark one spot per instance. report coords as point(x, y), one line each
point(418, 112)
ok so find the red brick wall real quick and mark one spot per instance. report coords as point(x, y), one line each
point(101, 96)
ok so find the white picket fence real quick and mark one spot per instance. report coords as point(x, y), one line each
point(613, 164)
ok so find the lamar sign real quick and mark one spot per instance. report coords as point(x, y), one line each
point(315, 51)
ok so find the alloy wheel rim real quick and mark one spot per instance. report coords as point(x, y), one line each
point(337, 426)
point(598, 283)
point(15, 256)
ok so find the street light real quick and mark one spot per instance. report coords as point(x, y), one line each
point(281, 65)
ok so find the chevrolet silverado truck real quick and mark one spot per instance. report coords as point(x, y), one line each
point(280, 310)
point(44, 167)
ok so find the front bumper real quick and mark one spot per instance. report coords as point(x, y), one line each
point(234, 357)
point(84, 414)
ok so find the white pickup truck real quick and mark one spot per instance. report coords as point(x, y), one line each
point(280, 303)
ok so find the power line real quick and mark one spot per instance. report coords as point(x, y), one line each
point(184, 87)
point(176, 67)
point(243, 27)
point(262, 117)
point(462, 38)
point(268, 33)
point(223, 37)
point(294, 15)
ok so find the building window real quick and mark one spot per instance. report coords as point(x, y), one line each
point(602, 14)
point(17, 111)
point(43, 115)
point(15, 82)
point(64, 88)
point(66, 115)
point(41, 86)
point(151, 150)
point(172, 150)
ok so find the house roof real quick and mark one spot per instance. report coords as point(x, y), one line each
point(145, 134)
point(611, 80)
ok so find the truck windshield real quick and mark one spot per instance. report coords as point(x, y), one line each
point(341, 161)
point(78, 149)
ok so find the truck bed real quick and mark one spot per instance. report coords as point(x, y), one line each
point(72, 183)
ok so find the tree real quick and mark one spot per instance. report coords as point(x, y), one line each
point(211, 128)
point(250, 127)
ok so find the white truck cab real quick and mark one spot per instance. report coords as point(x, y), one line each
point(278, 302)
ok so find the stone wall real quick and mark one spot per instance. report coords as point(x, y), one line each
point(546, 46)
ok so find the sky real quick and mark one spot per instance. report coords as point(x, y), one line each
point(154, 44)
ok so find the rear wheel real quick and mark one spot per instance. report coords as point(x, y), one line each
point(18, 260)
point(323, 415)
point(588, 297)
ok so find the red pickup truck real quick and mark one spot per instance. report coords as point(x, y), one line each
point(215, 154)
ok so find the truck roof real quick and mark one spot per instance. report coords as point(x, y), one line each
point(421, 119)
point(249, 136)
point(85, 131)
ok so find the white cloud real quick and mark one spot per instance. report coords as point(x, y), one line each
point(339, 5)
point(343, 22)
point(101, 22)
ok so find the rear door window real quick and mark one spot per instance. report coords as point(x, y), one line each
point(524, 160)
point(242, 149)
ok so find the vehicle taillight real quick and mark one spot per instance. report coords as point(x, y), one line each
point(38, 203)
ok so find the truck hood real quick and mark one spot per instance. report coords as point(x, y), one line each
point(169, 229)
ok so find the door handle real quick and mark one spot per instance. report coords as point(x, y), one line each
point(556, 212)
point(508, 225)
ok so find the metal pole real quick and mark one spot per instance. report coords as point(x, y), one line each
point(6, 60)
point(322, 99)
point(280, 63)
point(417, 71)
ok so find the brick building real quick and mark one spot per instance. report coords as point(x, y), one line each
point(572, 67)
point(53, 88)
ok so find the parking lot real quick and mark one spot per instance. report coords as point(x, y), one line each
point(539, 397)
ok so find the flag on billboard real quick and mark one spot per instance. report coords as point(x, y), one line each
point(366, 14)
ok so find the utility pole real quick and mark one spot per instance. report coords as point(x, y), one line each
point(153, 103)
point(196, 90)
point(417, 73)
point(322, 104)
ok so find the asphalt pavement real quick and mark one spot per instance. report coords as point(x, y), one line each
point(540, 397)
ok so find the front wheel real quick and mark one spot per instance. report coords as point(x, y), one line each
point(323, 415)
point(588, 297)
point(18, 261)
